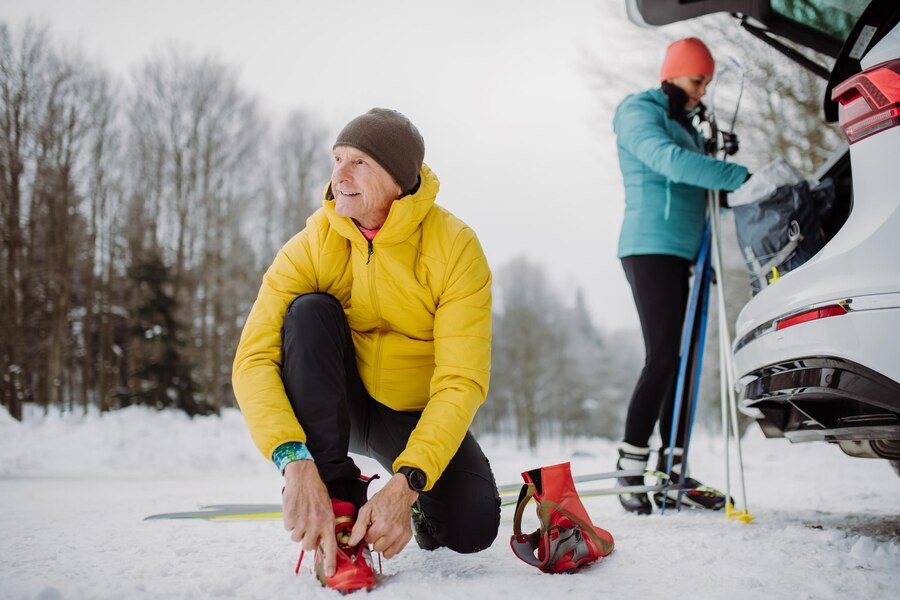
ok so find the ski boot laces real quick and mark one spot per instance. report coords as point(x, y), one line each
point(354, 569)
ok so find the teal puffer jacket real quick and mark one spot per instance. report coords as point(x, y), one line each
point(666, 176)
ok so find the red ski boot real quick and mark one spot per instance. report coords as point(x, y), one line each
point(353, 569)
point(566, 539)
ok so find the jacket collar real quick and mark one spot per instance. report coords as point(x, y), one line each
point(659, 96)
point(405, 216)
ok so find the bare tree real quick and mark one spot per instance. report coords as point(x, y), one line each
point(131, 230)
point(781, 112)
point(301, 170)
point(105, 199)
point(553, 373)
point(23, 62)
point(60, 242)
point(57, 119)
point(523, 339)
point(197, 137)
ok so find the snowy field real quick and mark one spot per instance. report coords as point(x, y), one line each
point(74, 491)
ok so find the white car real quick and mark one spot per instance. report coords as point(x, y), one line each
point(817, 353)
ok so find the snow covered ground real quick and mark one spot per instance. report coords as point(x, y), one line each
point(74, 491)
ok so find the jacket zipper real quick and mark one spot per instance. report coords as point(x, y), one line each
point(376, 366)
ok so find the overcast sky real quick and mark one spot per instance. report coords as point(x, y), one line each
point(514, 126)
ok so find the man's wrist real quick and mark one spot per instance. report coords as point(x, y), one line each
point(415, 478)
point(288, 453)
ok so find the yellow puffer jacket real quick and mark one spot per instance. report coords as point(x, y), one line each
point(418, 301)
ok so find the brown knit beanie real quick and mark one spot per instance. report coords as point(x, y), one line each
point(392, 140)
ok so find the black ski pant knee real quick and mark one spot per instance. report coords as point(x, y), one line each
point(660, 286)
point(461, 511)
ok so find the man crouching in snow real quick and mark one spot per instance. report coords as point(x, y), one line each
point(371, 334)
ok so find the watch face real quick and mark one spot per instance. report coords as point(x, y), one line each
point(414, 477)
point(417, 480)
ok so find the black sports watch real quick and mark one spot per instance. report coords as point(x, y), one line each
point(415, 478)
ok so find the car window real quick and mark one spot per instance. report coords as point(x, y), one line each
point(834, 18)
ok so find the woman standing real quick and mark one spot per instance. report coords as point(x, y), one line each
point(666, 176)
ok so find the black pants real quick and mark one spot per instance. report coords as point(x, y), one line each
point(660, 285)
point(462, 510)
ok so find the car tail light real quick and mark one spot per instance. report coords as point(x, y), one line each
point(832, 310)
point(869, 101)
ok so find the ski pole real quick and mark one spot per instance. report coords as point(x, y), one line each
point(743, 515)
point(724, 376)
point(686, 335)
point(727, 375)
point(700, 344)
point(725, 358)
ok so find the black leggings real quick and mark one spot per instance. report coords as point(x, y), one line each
point(660, 285)
point(462, 510)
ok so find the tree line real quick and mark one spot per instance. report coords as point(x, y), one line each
point(135, 219)
point(138, 217)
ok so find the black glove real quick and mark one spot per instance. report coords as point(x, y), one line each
point(730, 143)
point(723, 199)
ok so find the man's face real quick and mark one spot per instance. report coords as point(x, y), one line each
point(362, 189)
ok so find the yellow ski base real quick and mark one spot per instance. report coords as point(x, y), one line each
point(268, 515)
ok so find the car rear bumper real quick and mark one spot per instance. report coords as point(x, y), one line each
point(823, 399)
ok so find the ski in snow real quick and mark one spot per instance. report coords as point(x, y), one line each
point(273, 511)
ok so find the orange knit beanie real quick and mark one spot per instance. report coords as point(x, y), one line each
point(688, 56)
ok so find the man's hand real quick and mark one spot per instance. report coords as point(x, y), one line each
point(384, 520)
point(307, 511)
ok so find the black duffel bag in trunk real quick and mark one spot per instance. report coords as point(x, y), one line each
point(782, 231)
